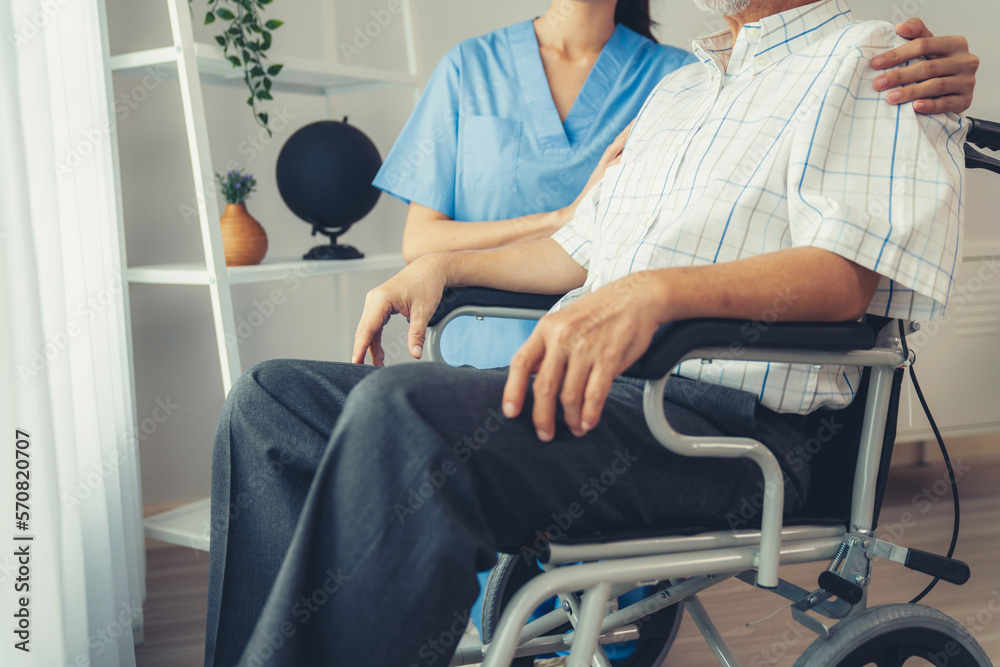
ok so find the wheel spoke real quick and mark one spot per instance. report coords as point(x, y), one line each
point(886, 656)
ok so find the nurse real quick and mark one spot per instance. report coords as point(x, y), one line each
point(513, 126)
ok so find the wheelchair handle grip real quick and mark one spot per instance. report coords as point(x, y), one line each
point(984, 133)
point(948, 569)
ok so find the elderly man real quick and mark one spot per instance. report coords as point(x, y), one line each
point(769, 173)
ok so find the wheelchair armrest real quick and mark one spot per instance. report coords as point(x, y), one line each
point(675, 340)
point(484, 297)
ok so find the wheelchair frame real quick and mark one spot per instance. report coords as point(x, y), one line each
point(604, 570)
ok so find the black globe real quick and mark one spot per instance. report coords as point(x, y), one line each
point(324, 174)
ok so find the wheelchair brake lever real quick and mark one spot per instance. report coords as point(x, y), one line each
point(951, 570)
point(890, 551)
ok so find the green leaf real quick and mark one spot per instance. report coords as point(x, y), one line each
point(265, 2)
point(235, 61)
point(246, 56)
point(256, 71)
point(221, 40)
point(267, 83)
point(250, 101)
point(225, 14)
point(274, 69)
point(267, 41)
point(274, 24)
point(264, 95)
point(254, 46)
point(263, 118)
point(209, 18)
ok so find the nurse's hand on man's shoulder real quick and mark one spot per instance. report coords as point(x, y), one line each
point(414, 293)
point(943, 82)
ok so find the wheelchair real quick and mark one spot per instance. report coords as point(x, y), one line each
point(617, 600)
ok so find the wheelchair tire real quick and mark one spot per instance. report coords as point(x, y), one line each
point(512, 572)
point(891, 634)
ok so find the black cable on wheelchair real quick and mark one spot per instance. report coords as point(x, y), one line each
point(947, 461)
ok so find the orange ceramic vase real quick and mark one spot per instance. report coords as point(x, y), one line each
point(243, 238)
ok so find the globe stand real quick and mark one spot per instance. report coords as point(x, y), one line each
point(334, 250)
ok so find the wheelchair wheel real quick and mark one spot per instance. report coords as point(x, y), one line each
point(891, 634)
point(656, 633)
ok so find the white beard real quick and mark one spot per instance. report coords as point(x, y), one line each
point(724, 7)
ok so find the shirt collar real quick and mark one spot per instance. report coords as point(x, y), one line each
point(763, 43)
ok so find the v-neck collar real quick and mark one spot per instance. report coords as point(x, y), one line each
point(551, 131)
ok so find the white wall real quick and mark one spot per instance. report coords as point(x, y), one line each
point(175, 355)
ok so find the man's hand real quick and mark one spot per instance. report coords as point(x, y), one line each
point(415, 293)
point(944, 82)
point(578, 351)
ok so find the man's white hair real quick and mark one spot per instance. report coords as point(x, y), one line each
point(724, 7)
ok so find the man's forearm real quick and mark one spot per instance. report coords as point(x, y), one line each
point(540, 267)
point(799, 284)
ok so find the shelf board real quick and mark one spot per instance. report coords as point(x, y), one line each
point(297, 75)
point(301, 268)
point(188, 526)
point(189, 273)
point(195, 273)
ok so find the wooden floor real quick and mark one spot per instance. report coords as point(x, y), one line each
point(177, 580)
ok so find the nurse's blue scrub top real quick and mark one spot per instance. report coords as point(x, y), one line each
point(485, 142)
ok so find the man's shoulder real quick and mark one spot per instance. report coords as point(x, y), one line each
point(860, 39)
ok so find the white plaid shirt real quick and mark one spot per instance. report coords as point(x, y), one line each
point(780, 141)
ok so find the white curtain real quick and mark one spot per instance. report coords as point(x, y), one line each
point(65, 374)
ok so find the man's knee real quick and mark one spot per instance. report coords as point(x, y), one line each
point(382, 394)
point(254, 405)
point(407, 381)
point(261, 385)
point(432, 390)
point(400, 402)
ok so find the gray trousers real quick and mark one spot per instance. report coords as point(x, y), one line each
point(352, 507)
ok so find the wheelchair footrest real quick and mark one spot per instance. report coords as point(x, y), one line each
point(848, 591)
point(948, 569)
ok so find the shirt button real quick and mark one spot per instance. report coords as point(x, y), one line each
point(762, 62)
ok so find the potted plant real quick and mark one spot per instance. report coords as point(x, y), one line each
point(245, 41)
point(243, 238)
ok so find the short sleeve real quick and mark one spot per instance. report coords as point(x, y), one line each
point(421, 167)
point(576, 236)
point(880, 185)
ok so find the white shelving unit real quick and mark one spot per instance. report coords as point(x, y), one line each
point(195, 64)
point(298, 74)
